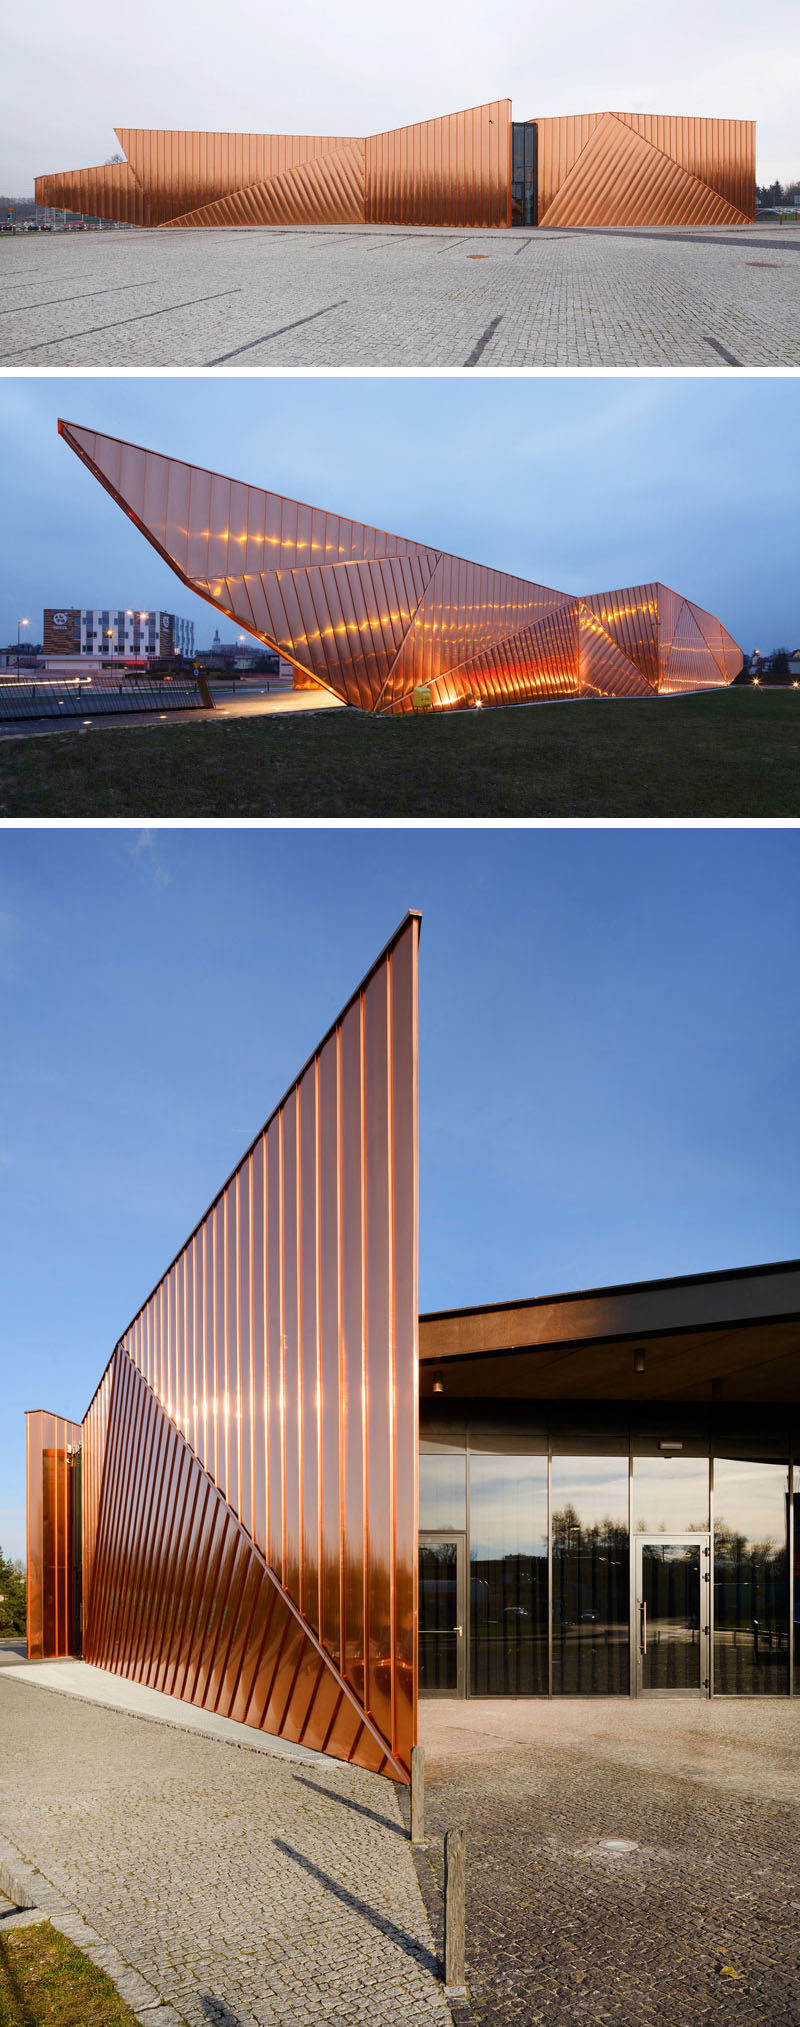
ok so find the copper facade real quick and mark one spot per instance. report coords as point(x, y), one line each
point(629, 169)
point(373, 617)
point(594, 169)
point(53, 1538)
point(249, 1481)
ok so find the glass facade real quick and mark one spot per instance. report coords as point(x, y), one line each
point(523, 172)
point(508, 1575)
point(660, 1566)
point(751, 1618)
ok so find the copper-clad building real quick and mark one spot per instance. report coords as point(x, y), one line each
point(292, 1502)
point(375, 618)
point(475, 168)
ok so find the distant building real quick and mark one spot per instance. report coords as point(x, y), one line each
point(110, 634)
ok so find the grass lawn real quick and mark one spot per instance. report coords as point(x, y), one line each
point(46, 1982)
point(724, 754)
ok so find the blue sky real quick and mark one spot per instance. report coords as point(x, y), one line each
point(586, 484)
point(609, 1058)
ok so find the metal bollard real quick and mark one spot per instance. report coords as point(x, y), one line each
point(454, 1973)
point(417, 1794)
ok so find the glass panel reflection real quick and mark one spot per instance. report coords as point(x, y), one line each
point(508, 1575)
point(751, 1616)
point(442, 1492)
point(438, 1617)
point(670, 1495)
point(671, 1601)
point(591, 1567)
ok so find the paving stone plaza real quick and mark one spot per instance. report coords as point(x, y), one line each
point(397, 297)
point(625, 1862)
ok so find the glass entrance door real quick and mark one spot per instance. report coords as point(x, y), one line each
point(671, 1615)
point(442, 1601)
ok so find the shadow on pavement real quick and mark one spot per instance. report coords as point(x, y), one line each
point(396, 1935)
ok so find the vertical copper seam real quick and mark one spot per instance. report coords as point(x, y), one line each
point(226, 1398)
point(300, 1396)
point(197, 1578)
point(153, 1548)
point(123, 1547)
point(174, 1627)
point(231, 1602)
point(332, 1722)
point(273, 1596)
point(111, 1517)
point(365, 1543)
point(236, 1189)
point(66, 1539)
point(219, 1531)
point(241, 1627)
point(211, 1222)
point(287, 1701)
point(29, 1628)
point(392, 1406)
point(219, 1601)
point(189, 1574)
point(265, 1268)
point(137, 1627)
point(343, 1396)
point(204, 1342)
point(276, 1663)
point(318, 1341)
point(390, 672)
point(168, 1560)
point(282, 1331)
point(133, 1622)
point(141, 1519)
point(252, 1309)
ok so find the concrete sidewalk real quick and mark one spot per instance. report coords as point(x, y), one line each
point(246, 1889)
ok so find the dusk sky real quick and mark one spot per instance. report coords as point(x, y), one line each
point(587, 484)
point(609, 1058)
point(355, 70)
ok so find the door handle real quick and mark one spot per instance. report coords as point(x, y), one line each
point(643, 1627)
point(458, 1629)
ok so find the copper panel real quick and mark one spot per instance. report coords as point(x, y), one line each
point(373, 616)
point(449, 171)
point(301, 1279)
point(51, 1445)
point(623, 169)
point(109, 191)
point(327, 190)
point(630, 617)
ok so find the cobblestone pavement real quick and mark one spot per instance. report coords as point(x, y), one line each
point(389, 296)
point(626, 1863)
point(249, 1891)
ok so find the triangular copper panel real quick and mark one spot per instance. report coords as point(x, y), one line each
point(538, 662)
point(630, 617)
point(327, 190)
point(689, 664)
point(605, 670)
point(182, 1601)
point(266, 1336)
point(466, 609)
point(719, 153)
point(621, 179)
point(727, 655)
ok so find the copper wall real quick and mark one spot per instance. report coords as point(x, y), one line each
point(51, 1446)
point(629, 169)
point(449, 171)
point(249, 1457)
point(372, 616)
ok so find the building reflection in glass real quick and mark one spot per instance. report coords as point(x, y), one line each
point(591, 1576)
point(442, 1492)
point(751, 1619)
point(508, 1575)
